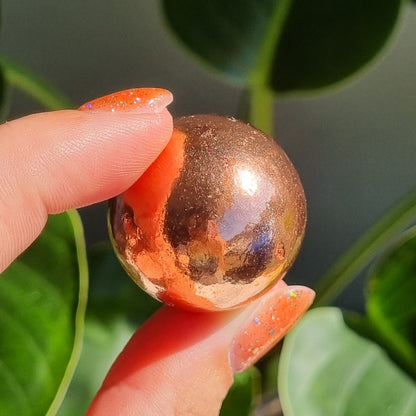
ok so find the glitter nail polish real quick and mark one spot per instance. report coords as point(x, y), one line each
point(134, 100)
point(268, 323)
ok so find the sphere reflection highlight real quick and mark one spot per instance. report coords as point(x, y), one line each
point(215, 221)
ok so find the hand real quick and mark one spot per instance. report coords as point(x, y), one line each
point(179, 362)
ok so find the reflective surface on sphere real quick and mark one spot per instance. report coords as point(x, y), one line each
point(215, 221)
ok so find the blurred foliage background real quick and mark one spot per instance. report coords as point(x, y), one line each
point(354, 147)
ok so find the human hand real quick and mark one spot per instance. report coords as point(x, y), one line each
point(179, 362)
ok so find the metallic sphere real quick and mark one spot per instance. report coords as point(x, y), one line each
point(215, 221)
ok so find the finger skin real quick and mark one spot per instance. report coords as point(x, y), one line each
point(181, 362)
point(166, 365)
point(51, 162)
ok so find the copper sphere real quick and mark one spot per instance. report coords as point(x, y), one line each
point(215, 221)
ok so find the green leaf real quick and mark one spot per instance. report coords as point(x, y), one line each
point(112, 292)
point(323, 45)
point(31, 84)
point(42, 304)
point(364, 250)
point(391, 306)
point(103, 342)
point(115, 309)
point(243, 394)
point(327, 369)
point(286, 45)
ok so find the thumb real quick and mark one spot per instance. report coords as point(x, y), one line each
point(182, 363)
point(59, 160)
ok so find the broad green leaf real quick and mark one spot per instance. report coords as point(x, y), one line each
point(112, 292)
point(39, 89)
point(42, 303)
point(326, 369)
point(286, 45)
point(103, 342)
point(365, 249)
point(243, 394)
point(115, 309)
point(324, 43)
point(391, 305)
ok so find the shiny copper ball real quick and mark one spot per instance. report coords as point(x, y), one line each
point(215, 221)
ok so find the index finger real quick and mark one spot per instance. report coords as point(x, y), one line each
point(51, 162)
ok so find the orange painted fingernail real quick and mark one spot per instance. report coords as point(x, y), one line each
point(134, 100)
point(268, 323)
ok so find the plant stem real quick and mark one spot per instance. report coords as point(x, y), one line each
point(261, 109)
point(364, 250)
point(260, 74)
point(261, 99)
point(81, 252)
point(35, 87)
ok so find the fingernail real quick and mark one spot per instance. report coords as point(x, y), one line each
point(134, 100)
point(266, 325)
